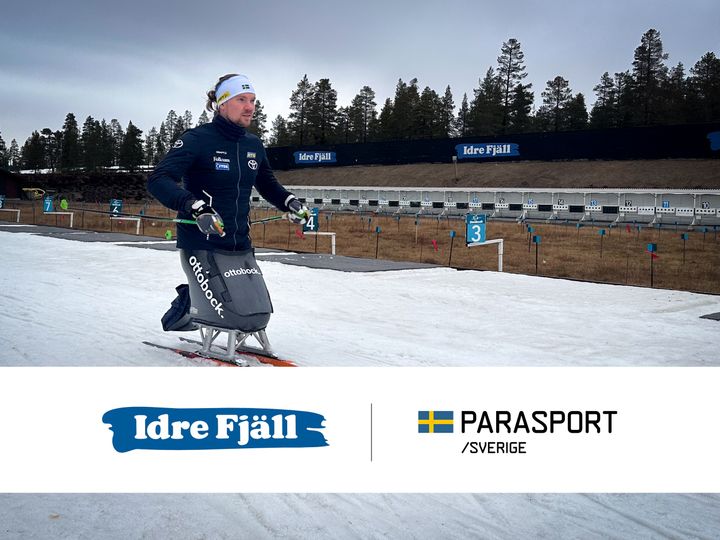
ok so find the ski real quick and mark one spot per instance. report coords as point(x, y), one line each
point(242, 360)
point(195, 355)
point(263, 358)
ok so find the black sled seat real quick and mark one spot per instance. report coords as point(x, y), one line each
point(227, 290)
point(226, 294)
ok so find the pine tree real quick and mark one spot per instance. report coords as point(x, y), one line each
point(280, 134)
point(446, 120)
point(649, 74)
point(4, 154)
point(131, 151)
point(463, 118)
point(405, 123)
point(520, 120)
point(107, 145)
point(118, 135)
point(603, 111)
point(70, 154)
point(51, 145)
point(172, 128)
point(575, 114)
point(510, 73)
point(704, 88)
point(485, 115)
point(623, 100)
point(361, 114)
point(150, 146)
point(427, 115)
point(32, 154)
point(203, 118)
point(342, 127)
point(161, 147)
point(299, 104)
point(187, 120)
point(674, 94)
point(91, 143)
point(556, 97)
point(386, 129)
point(322, 112)
point(14, 155)
point(259, 120)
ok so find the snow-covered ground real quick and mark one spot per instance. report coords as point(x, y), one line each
point(75, 303)
point(83, 303)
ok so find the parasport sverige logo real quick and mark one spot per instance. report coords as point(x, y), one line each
point(512, 431)
point(155, 428)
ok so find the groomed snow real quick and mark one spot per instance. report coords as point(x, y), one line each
point(74, 303)
point(81, 303)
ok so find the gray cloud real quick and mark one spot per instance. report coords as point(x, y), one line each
point(136, 60)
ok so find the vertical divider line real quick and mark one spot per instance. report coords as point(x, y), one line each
point(371, 432)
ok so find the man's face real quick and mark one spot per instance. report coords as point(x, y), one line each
point(239, 109)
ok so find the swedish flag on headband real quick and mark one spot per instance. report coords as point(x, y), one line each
point(435, 421)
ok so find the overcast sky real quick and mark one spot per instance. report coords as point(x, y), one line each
point(135, 60)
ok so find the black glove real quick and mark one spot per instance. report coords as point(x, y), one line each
point(208, 220)
point(299, 213)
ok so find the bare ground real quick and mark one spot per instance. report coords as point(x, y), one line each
point(648, 174)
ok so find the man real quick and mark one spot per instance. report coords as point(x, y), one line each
point(219, 163)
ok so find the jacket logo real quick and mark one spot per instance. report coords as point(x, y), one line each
point(178, 144)
point(251, 155)
point(253, 164)
point(221, 164)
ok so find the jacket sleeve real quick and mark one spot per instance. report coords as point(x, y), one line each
point(268, 186)
point(164, 183)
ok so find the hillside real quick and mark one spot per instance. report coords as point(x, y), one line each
point(677, 174)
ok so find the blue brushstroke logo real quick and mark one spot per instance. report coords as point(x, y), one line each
point(154, 428)
point(714, 140)
point(486, 150)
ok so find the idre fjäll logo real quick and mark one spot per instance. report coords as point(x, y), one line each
point(435, 421)
point(153, 428)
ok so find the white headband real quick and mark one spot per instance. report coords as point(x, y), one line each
point(239, 84)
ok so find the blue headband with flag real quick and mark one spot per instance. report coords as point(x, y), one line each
point(239, 84)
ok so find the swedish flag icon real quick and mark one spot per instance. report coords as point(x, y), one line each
point(435, 421)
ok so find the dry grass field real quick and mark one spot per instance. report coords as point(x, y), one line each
point(564, 251)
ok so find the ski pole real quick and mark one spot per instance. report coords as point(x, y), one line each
point(265, 220)
point(159, 218)
point(141, 216)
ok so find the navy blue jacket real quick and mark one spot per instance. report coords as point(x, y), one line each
point(224, 160)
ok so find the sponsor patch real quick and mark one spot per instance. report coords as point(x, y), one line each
point(178, 144)
point(220, 166)
point(253, 164)
point(251, 155)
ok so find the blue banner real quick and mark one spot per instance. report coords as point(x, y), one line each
point(486, 150)
point(152, 428)
point(308, 157)
point(714, 138)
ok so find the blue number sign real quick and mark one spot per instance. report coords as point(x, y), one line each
point(116, 206)
point(475, 228)
point(312, 224)
point(48, 204)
